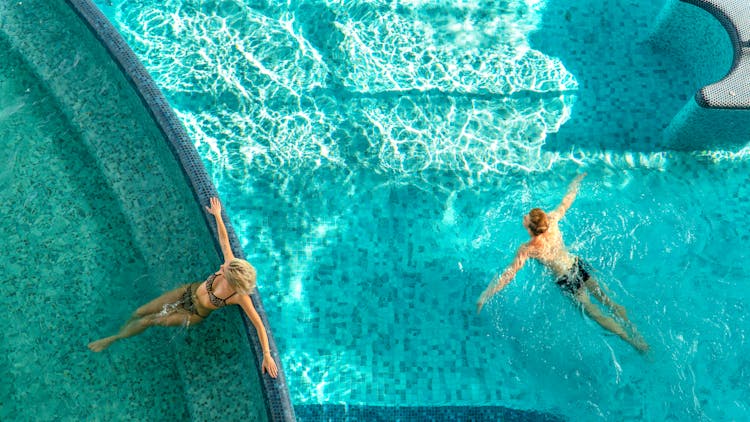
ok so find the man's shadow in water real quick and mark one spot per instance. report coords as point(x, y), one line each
point(629, 87)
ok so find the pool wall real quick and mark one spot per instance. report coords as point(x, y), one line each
point(142, 199)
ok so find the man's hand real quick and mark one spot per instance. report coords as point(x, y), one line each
point(482, 299)
point(579, 178)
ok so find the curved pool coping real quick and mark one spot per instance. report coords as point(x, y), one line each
point(732, 91)
point(277, 401)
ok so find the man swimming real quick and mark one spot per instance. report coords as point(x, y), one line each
point(573, 274)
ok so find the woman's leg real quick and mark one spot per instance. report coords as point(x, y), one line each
point(139, 325)
point(144, 317)
point(607, 322)
point(134, 327)
point(157, 305)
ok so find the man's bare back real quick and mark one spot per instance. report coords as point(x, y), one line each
point(549, 249)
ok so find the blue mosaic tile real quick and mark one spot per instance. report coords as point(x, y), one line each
point(348, 413)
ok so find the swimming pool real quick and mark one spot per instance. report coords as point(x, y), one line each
point(378, 157)
point(91, 198)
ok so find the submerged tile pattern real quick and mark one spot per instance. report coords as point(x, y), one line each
point(345, 413)
point(61, 223)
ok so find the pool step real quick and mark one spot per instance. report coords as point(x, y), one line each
point(128, 148)
point(733, 90)
point(709, 41)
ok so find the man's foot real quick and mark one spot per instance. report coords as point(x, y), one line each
point(99, 345)
point(640, 345)
point(620, 312)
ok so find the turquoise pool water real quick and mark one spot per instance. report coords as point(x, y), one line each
point(377, 158)
point(91, 200)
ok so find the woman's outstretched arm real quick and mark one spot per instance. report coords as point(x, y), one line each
point(500, 282)
point(215, 210)
point(269, 365)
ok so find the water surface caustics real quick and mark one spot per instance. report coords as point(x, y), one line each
point(401, 87)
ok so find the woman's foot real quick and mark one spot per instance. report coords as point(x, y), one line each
point(99, 345)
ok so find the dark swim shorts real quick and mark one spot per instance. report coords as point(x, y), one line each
point(575, 279)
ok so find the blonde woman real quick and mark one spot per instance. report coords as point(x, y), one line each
point(192, 303)
point(573, 274)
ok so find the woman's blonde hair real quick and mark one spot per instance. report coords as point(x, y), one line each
point(538, 223)
point(240, 275)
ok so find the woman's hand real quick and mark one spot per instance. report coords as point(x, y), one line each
point(215, 208)
point(269, 366)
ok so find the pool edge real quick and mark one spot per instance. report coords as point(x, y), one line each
point(276, 394)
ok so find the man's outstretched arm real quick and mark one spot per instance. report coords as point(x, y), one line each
point(500, 282)
point(569, 197)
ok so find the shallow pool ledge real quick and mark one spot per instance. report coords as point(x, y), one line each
point(733, 91)
point(278, 404)
point(717, 116)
